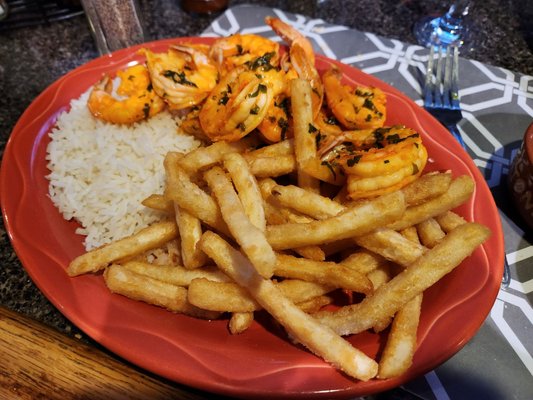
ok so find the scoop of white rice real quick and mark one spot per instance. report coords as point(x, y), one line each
point(101, 172)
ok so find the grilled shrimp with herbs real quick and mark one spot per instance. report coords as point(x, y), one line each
point(376, 161)
point(355, 108)
point(134, 100)
point(183, 76)
point(236, 106)
point(238, 50)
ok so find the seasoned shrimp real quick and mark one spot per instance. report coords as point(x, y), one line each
point(134, 100)
point(183, 76)
point(355, 108)
point(301, 60)
point(236, 106)
point(376, 161)
point(237, 50)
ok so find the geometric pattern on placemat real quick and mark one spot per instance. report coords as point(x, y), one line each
point(487, 93)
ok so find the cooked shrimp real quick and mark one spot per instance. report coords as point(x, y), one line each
point(183, 76)
point(376, 161)
point(301, 59)
point(236, 106)
point(134, 100)
point(355, 108)
point(237, 50)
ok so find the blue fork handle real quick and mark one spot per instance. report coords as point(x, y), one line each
point(456, 134)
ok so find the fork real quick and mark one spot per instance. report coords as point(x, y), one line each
point(441, 99)
point(441, 93)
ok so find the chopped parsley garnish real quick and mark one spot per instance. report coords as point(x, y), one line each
point(260, 89)
point(178, 77)
point(254, 110)
point(354, 160)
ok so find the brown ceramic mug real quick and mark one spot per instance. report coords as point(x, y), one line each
point(521, 178)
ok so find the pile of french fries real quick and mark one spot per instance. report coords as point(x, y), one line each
point(249, 229)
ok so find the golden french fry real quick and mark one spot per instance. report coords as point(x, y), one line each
point(190, 229)
point(459, 191)
point(355, 221)
point(138, 287)
point(429, 232)
point(283, 148)
point(364, 261)
point(146, 239)
point(220, 296)
point(204, 157)
point(449, 220)
point(314, 305)
point(304, 131)
point(247, 188)
point(411, 233)
point(190, 196)
point(173, 274)
point(303, 328)
point(420, 275)
point(326, 273)
point(230, 297)
point(426, 187)
point(239, 322)
point(378, 277)
point(306, 202)
point(391, 245)
point(251, 239)
point(159, 202)
point(265, 167)
point(398, 354)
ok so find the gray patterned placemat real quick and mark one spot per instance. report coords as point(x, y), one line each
point(497, 108)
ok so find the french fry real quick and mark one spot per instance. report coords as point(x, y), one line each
point(173, 274)
point(190, 196)
point(449, 220)
point(314, 305)
point(426, 187)
point(205, 157)
point(146, 239)
point(301, 105)
point(239, 322)
point(283, 148)
point(459, 191)
point(398, 354)
point(355, 221)
point(429, 232)
point(364, 261)
point(306, 202)
point(265, 167)
point(303, 328)
point(132, 285)
point(220, 296)
point(247, 189)
point(251, 239)
point(391, 245)
point(420, 275)
point(230, 297)
point(159, 202)
point(326, 273)
point(411, 234)
point(190, 230)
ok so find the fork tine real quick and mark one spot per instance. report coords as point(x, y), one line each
point(446, 86)
point(454, 94)
point(428, 84)
point(437, 97)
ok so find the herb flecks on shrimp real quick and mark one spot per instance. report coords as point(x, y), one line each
point(134, 100)
point(355, 108)
point(183, 76)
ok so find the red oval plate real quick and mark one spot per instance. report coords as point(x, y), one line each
point(260, 362)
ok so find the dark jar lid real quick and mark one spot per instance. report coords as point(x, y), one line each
point(204, 6)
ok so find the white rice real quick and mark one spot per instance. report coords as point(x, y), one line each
point(101, 172)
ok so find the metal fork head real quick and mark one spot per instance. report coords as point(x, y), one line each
point(440, 87)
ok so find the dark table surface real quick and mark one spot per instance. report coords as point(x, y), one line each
point(31, 58)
